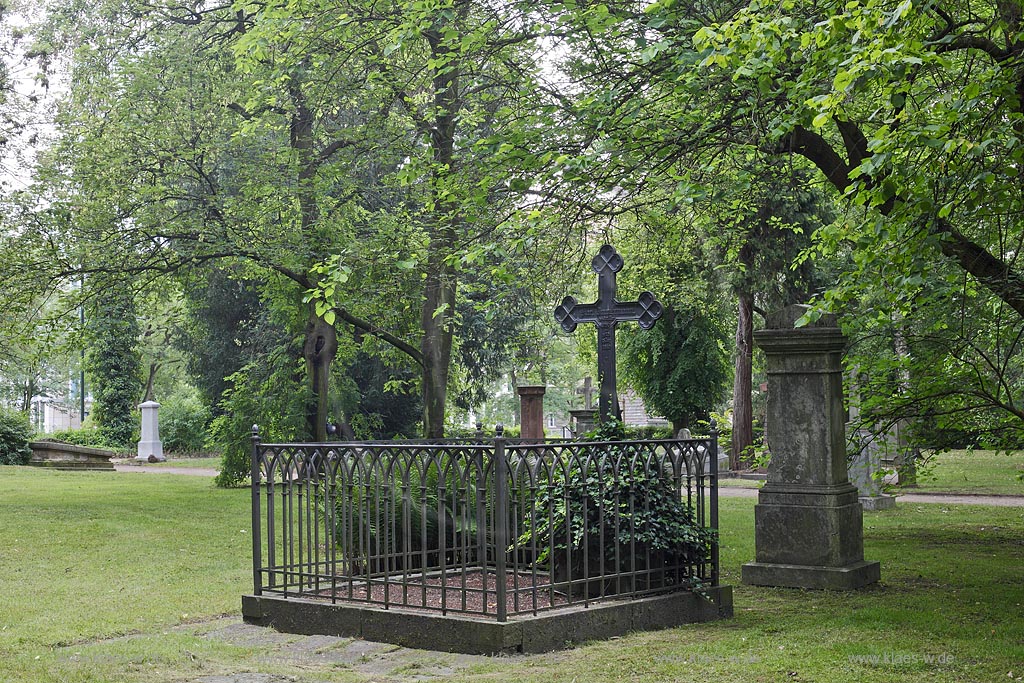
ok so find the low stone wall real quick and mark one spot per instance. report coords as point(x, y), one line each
point(64, 456)
point(552, 630)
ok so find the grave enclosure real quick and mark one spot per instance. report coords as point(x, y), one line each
point(485, 545)
point(525, 545)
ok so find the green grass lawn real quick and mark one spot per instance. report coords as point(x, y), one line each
point(985, 472)
point(964, 472)
point(88, 557)
point(210, 463)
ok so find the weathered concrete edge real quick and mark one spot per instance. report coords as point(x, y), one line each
point(851, 577)
point(61, 447)
point(63, 456)
point(542, 633)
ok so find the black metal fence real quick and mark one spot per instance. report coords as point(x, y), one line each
point(484, 528)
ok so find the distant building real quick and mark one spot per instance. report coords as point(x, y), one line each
point(634, 412)
point(50, 415)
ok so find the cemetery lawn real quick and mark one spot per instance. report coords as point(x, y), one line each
point(211, 463)
point(961, 472)
point(111, 577)
point(978, 472)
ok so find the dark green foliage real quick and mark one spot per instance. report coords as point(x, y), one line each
point(419, 517)
point(183, 425)
point(14, 437)
point(648, 432)
point(494, 334)
point(268, 393)
point(620, 500)
point(380, 412)
point(222, 313)
point(679, 367)
point(93, 438)
point(113, 362)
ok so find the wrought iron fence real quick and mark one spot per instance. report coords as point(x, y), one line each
point(487, 528)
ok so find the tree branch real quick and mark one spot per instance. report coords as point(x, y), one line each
point(816, 149)
point(384, 335)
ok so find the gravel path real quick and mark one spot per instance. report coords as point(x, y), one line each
point(146, 469)
point(944, 498)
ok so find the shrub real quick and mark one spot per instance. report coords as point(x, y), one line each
point(258, 394)
point(183, 425)
point(621, 497)
point(93, 438)
point(14, 437)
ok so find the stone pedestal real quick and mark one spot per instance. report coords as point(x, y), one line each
point(151, 449)
point(584, 420)
point(808, 523)
point(531, 408)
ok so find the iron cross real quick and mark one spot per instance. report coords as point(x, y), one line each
point(606, 313)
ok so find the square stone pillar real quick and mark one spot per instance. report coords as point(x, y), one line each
point(531, 410)
point(151, 449)
point(808, 523)
point(584, 420)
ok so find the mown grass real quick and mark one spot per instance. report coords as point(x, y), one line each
point(210, 463)
point(976, 472)
point(963, 472)
point(88, 557)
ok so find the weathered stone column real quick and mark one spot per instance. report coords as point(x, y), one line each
point(531, 409)
point(864, 469)
point(151, 449)
point(808, 523)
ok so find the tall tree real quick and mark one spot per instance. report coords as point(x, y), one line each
point(113, 361)
point(680, 366)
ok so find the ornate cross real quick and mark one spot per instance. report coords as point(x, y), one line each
point(606, 313)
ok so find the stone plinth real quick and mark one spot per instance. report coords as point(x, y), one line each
point(808, 523)
point(151, 449)
point(584, 420)
point(453, 632)
point(65, 456)
point(531, 410)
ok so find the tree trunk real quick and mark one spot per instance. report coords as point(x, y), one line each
point(436, 346)
point(319, 350)
point(438, 312)
point(321, 344)
point(742, 408)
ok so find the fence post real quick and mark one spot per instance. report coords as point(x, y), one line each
point(257, 542)
point(500, 520)
point(713, 470)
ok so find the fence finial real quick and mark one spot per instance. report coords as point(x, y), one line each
point(255, 431)
point(714, 425)
point(499, 430)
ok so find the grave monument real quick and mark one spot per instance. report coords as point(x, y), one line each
point(151, 448)
point(607, 313)
point(808, 523)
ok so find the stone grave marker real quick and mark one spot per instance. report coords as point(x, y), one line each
point(808, 523)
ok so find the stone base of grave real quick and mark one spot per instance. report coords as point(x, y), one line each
point(850, 577)
point(809, 537)
point(880, 502)
point(64, 456)
point(550, 630)
point(150, 454)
